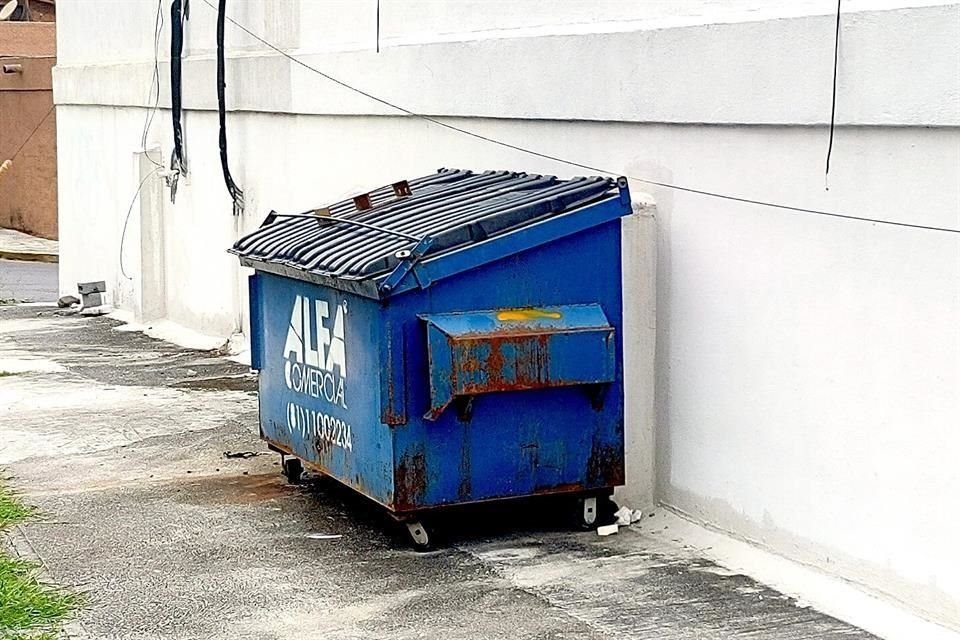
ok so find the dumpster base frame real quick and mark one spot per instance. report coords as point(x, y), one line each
point(412, 518)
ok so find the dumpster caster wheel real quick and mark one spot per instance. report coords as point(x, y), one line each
point(419, 535)
point(293, 470)
point(594, 512)
point(587, 514)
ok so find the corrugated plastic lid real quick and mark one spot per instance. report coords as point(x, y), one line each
point(369, 235)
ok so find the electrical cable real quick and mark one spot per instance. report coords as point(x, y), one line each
point(236, 193)
point(32, 133)
point(178, 13)
point(833, 102)
point(126, 220)
point(154, 85)
point(478, 136)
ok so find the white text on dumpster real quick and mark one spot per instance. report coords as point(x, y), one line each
point(319, 426)
point(315, 357)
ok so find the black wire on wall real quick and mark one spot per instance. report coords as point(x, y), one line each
point(236, 194)
point(179, 12)
point(833, 98)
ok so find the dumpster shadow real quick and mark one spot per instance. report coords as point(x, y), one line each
point(449, 526)
point(505, 519)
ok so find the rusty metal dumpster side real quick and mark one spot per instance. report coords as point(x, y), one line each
point(450, 339)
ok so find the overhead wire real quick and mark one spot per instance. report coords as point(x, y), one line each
point(572, 163)
point(126, 220)
point(155, 84)
point(32, 133)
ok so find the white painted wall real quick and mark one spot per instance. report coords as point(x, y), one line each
point(808, 368)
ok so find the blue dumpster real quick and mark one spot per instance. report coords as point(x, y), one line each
point(445, 340)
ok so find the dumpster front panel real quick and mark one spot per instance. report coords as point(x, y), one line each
point(525, 440)
point(319, 375)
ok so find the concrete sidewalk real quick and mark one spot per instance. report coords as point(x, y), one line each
point(15, 245)
point(121, 440)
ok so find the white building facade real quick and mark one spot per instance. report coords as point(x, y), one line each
point(794, 378)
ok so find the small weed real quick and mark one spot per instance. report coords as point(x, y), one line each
point(26, 604)
point(12, 511)
point(29, 609)
point(4, 374)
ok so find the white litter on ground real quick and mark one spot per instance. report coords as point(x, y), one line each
point(627, 516)
point(608, 529)
point(324, 536)
point(100, 310)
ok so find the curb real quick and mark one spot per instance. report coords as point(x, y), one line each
point(17, 541)
point(29, 256)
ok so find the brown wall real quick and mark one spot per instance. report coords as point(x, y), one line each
point(43, 11)
point(28, 189)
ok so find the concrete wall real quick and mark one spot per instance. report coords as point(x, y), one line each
point(28, 190)
point(807, 368)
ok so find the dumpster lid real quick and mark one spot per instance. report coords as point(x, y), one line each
point(367, 244)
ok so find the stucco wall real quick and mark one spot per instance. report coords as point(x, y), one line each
point(28, 190)
point(28, 39)
point(807, 368)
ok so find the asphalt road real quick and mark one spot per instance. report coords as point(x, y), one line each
point(28, 281)
point(123, 443)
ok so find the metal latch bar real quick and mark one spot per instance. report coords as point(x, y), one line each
point(408, 259)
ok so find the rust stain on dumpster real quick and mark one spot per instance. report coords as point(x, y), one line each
point(393, 412)
point(605, 465)
point(323, 446)
point(411, 481)
point(389, 415)
point(564, 487)
point(503, 362)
